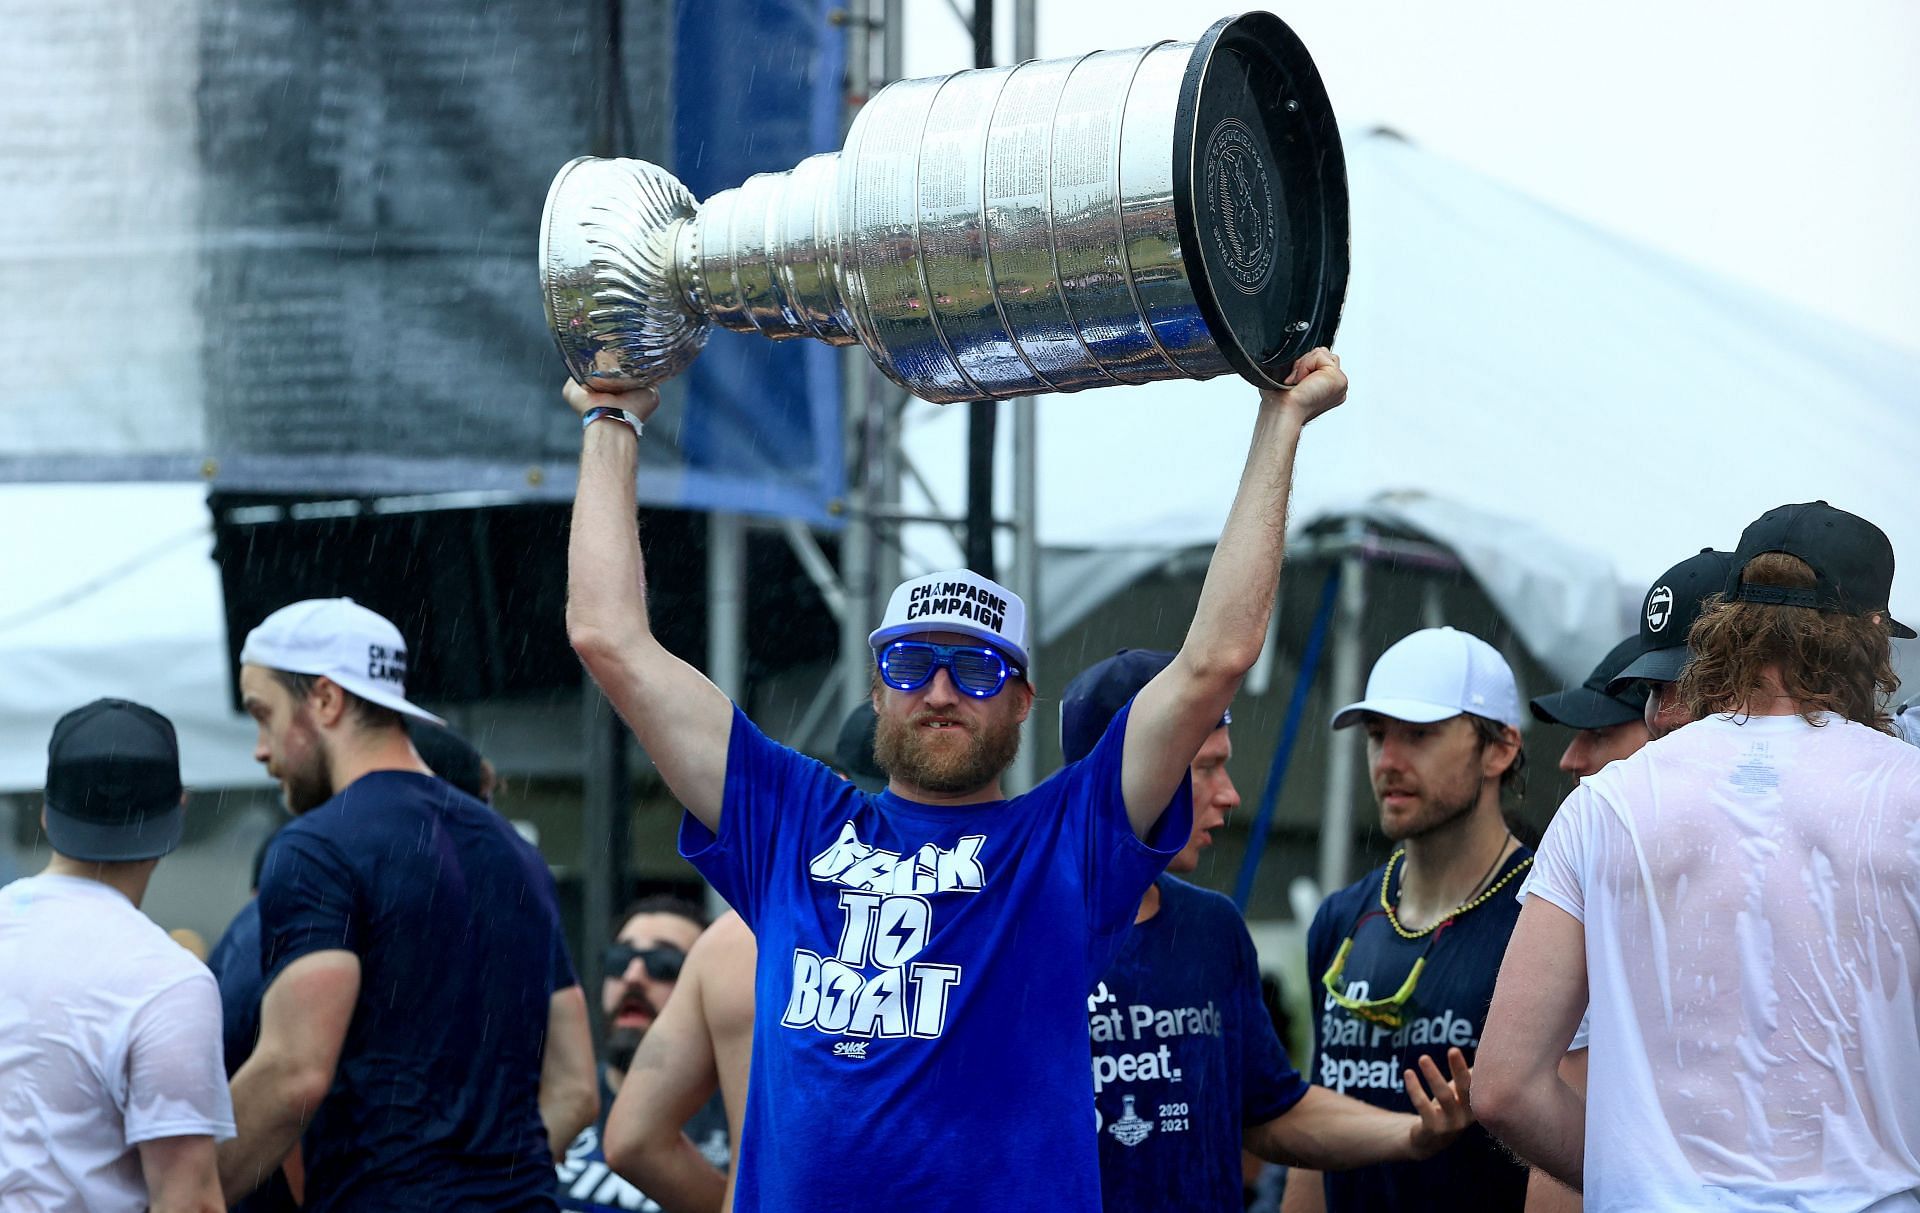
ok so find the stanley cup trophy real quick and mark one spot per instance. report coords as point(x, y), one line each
point(1176, 211)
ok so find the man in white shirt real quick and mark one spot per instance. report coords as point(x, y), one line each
point(112, 1091)
point(1741, 902)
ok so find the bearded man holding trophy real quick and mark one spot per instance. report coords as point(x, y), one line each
point(925, 953)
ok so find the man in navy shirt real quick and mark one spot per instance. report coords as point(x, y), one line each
point(1186, 1064)
point(918, 946)
point(1406, 956)
point(417, 983)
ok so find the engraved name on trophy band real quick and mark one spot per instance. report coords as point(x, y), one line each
point(1173, 211)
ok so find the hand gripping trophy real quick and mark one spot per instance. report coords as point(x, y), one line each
point(1176, 211)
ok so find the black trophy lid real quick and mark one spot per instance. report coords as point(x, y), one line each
point(1260, 195)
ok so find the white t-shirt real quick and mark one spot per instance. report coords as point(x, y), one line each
point(1751, 898)
point(109, 1036)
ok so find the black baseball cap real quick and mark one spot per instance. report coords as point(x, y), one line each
point(1097, 693)
point(1851, 559)
point(1588, 706)
point(1668, 612)
point(853, 749)
point(113, 784)
point(449, 755)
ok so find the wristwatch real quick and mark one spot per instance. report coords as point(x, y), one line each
point(621, 415)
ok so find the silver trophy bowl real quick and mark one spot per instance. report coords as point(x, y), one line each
point(1176, 211)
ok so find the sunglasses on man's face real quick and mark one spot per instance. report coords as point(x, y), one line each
point(663, 962)
point(908, 665)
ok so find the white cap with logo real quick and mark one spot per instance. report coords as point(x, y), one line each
point(1436, 674)
point(958, 600)
point(338, 639)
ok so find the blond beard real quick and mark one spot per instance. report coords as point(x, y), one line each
point(899, 750)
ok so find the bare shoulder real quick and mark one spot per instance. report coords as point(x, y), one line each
point(724, 958)
point(724, 950)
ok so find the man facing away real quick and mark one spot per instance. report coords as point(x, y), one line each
point(918, 945)
point(112, 1093)
point(643, 974)
point(421, 1023)
point(1608, 727)
point(1186, 1064)
point(1739, 902)
point(1406, 955)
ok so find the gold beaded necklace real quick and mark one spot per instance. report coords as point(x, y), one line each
point(1473, 903)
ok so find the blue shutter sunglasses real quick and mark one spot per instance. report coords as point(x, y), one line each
point(908, 665)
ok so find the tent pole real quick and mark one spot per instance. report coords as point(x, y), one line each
point(867, 457)
point(1289, 733)
point(1026, 495)
point(1336, 818)
point(726, 620)
point(981, 417)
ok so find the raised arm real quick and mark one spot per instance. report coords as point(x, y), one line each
point(681, 719)
point(672, 1076)
point(303, 1023)
point(1173, 714)
point(1523, 1098)
point(1333, 1132)
point(569, 1088)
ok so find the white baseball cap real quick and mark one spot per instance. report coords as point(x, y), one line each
point(958, 600)
point(1436, 674)
point(341, 640)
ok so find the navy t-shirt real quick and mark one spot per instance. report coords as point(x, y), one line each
point(1448, 1008)
point(588, 1184)
point(1184, 1057)
point(919, 1034)
point(235, 962)
point(434, 1104)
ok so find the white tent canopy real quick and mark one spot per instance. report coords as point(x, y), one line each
point(1562, 408)
point(112, 590)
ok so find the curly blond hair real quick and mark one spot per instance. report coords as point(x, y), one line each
point(1826, 661)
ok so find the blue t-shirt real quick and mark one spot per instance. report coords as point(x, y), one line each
point(235, 962)
point(434, 1104)
point(919, 1035)
point(1448, 1008)
point(1184, 1057)
point(588, 1184)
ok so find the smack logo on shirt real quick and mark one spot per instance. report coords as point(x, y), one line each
point(856, 1049)
point(887, 922)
